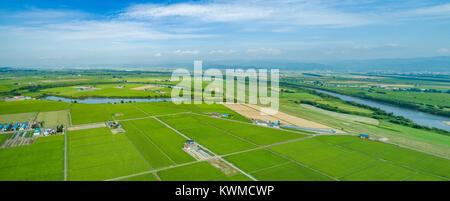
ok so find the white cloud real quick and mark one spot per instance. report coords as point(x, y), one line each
point(158, 54)
point(185, 52)
point(443, 51)
point(114, 31)
point(263, 50)
point(208, 12)
point(283, 12)
point(286, 14)
point(371, 47)
point(439, 10)
point(227, 52)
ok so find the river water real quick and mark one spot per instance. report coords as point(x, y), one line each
point(417, 117)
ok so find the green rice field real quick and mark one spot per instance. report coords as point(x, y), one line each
point(54, 118)
point(148, 150)
point(44, 160)
point(96, 154)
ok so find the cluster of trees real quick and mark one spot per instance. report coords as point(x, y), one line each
point(410, 105)
point(38, 87)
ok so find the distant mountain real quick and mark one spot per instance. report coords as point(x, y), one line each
point(423, 64)
point(431, 64)
point(391, 65)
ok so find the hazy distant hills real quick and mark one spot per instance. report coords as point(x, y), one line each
point(431, 64)
point(422, 64)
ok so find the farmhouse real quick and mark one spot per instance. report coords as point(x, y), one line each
point(7, 127)
point(17, 98)
point(24, 126)
point(85, 88)
point(268, 123)
point(49, 131)
point(364, 136)
point(16, 126)
point(217, 115)
point(190, 144)
point(37, 131)
point(161, 92)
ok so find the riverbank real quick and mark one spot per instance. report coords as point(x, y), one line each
point(409, 117)
point(426, 108)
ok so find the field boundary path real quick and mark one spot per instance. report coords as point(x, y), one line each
point(87, 126)
point(221, 157)
point(65, 155)
point(206, 159)
point(214, 154)
point(298, 132)
point(154, 144)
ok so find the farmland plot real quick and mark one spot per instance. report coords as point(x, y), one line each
point(42, 160)
point(96, 154)
point(54, 118)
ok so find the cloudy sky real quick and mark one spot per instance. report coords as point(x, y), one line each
point(116, 32)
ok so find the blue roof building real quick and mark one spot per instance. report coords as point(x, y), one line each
point(16, 126)
point(7, 127)
point(24, 125)
point(364, 136)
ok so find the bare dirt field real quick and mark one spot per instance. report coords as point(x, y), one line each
point(68, 80)
point(341, 115)
point(363, 77)
point(86, 126)
point(151, 86)
point(349, 81)
point(253, 111)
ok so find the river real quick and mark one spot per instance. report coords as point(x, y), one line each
point(417, 117)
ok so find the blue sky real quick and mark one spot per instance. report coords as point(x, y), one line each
point(116, 32)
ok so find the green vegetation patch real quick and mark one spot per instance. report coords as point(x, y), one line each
point(256, 134)
point(3, 138)
point(41, 161)
point(383, 171)
point(255, 160)
point(89, 113)
point(54, 118)
point(31, 106)
point(344, 164)
point(152, 153)
point(214, 139)
point(202, 171)
point(144, 177)
point(8, 118)
point(289, 172)
point(435, 165)
point(124, 111)
point(167, 140)
point(96, 154)
point(423, 177)
point(351, 158)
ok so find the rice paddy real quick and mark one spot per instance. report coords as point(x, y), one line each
point(149, 150)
